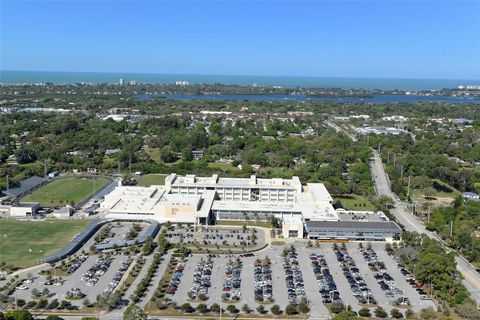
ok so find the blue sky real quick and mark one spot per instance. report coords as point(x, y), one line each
point(387, 39)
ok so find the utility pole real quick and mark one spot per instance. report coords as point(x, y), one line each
point(408, 189)
point(45, 169)
point(428, 212)
point(8, 186)
point(413, 204)
point(394, 159)
point(451, 228)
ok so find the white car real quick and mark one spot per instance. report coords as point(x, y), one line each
point(22, 287)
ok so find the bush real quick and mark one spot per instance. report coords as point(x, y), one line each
point(187, 308)
point(337, 307)
point(291, 310)
point(232, 309)
point(380, 313)
point(396, 314)
point(202, 308)
point(364, 312)
point(275, 309)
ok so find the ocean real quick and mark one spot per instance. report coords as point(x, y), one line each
point(33, 77)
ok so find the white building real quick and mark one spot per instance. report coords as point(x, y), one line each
point(24, 209)
point(204, 200)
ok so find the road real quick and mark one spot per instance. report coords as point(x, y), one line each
point(340, 130)
point(411, 223)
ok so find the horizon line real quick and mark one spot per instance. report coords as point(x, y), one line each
point(239, 75)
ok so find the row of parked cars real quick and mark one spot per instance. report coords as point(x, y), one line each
point(95, 272)
point(77, 263)
point(383, 278)
point(293, 277)
point(263, 290)
point(232, 280)
point(177, 276)
point(410, 279)
point(201, 278)
point(118, 275)
point(352, 274)
point(326, 284)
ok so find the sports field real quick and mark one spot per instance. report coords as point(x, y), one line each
point(64, 191)
point(23, 243)
point(152, 179)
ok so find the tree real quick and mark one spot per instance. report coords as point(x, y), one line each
point(232, 309)
point(303, 306)
point(380, 312)
point(148, 246)
point(18, 315)
point(202, 308)
point(337, 307)
point(53, 317)
point(215, 308)
point(291, 310)
point(134, 312)
point(427, 314)
point(246, 308)
point(275, 309)
point(187, 155)
point(396, 314)
point(186, 307)
point(409, 314)
point(364, 312)
point(346, 315)
point(468, 309)
point(261, 309)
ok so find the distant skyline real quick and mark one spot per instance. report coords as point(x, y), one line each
point(359, 39)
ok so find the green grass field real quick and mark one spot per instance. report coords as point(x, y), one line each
point(354, 202)
point(152, 179)
point(62, 191)
point(23, 243)
point(154, 154)
point(438, 192)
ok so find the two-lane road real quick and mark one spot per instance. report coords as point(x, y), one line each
point(411, 223)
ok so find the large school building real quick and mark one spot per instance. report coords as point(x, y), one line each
point(204, 200)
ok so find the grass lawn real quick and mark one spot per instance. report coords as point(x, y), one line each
point(354, 202)
point(154, 154)
point(23, 243)
point(440, 191)
point(62, 191)
point(152, 179)
point(263, 224)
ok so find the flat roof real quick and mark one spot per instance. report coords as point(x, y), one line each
point(319, 192)
point(355, 225)
point(215, 181)
point(25, 185)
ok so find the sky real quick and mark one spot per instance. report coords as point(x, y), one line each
point(378, 39)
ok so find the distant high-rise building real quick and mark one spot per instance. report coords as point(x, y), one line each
point(132, 82)
point(182, 83)
point(120, 82)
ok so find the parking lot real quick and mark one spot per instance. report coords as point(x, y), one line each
point(314, 273)
point(106, 275)
point(87, 276)
point(218, 236)
point(279, 274)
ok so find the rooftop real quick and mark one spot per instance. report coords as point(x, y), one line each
point(25, 185)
